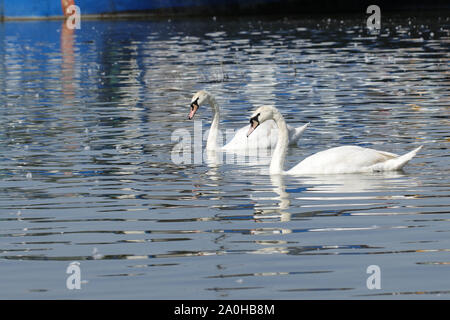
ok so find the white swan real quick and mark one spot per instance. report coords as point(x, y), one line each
point(264, 139)
point(345, 159)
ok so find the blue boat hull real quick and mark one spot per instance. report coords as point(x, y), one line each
point(41, 9)
point(52, 8)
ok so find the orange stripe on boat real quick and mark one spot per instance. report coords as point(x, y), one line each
point(65, 4)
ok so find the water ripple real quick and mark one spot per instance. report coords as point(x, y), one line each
point(86, 119)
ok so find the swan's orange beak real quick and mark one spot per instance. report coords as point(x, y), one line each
point(194, 108)
point(253, 125)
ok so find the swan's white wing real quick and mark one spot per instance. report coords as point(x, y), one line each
point(295, 133)
point(264, 137)
point(345, 159)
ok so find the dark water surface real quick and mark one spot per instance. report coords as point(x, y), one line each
point(86, 120)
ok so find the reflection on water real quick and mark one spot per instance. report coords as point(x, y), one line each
point(86, 172)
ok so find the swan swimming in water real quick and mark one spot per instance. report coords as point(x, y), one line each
point(344, 159)
point(265, 138)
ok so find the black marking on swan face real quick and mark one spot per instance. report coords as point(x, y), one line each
point(254, 121)
point(194, 103)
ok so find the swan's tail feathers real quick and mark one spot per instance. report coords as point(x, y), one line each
point(298, 133)
point(399, 162)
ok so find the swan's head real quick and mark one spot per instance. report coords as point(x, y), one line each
point(261, 114)
point(197, 100)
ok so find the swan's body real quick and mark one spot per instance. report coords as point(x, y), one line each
point(265, 138)
point(351, 159)
point(345, 159)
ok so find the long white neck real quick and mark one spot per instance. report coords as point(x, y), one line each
point(279, 154)
point(211, 143)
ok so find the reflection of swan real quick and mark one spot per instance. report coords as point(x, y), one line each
point(345, 159)
point(280, 189)
point(340, 185)
point(265, 138)
point(277, 212)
